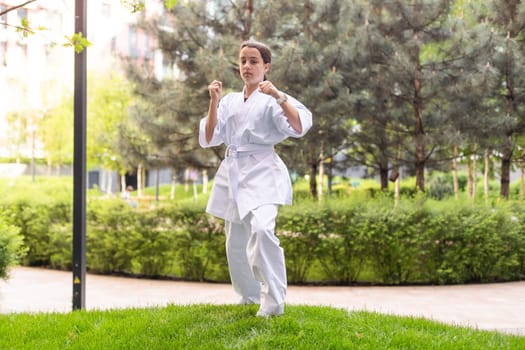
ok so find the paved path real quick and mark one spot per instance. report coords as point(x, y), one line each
point(498, 307)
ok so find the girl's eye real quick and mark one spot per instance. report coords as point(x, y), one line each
point(252, 62)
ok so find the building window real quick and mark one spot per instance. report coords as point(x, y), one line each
point(106, 10)
point(113, 45)
point(148, 54)
point(54, 20)
point(3, 53)
point(3, 18)
point(21, 14)
point(22, 47)
point(133, 50)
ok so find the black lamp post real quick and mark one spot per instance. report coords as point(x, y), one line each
point(79, 165)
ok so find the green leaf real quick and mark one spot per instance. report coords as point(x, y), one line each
point(24, 28)
point(170, 4)
point(78, 41)
point(133, 5)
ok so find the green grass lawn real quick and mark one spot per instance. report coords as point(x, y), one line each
point(236, 327)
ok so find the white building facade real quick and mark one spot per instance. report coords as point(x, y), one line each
point(37, 70)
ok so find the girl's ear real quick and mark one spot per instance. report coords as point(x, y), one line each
point(267, 67)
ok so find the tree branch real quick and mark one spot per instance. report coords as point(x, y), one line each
point(16, 7)
point(19, 28)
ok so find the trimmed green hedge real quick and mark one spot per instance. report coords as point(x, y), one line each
point(340, 241)
point(10, 247)
point(418, 242)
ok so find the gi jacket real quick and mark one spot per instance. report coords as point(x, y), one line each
point(251, 174)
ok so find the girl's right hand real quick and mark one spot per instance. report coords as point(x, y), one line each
point(215, 89)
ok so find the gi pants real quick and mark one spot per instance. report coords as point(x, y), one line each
point(256, 261)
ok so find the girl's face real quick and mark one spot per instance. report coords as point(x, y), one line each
point(251, 66)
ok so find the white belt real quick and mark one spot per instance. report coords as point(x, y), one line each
point(232, 153)
point(246, 150)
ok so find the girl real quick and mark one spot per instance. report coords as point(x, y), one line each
point(252, 180)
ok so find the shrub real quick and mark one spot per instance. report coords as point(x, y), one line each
point(113, 236)
point(342, 249)
point(394, 244)
point(199, 243)
point(299, 236)
point(440, 187)
point(11, 249)
point(340, 240)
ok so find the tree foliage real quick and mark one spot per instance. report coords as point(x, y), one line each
point(56, 133)
point(310, 62)
point(110, 98)
point(507, 92)
point(401, 83)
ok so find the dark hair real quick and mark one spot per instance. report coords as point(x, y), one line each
point(266, 54)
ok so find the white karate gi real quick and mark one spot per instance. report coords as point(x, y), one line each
point(249, 185)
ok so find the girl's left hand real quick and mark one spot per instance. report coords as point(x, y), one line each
point(266, 87)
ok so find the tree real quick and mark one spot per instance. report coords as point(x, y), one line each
point(311, 61)
point(425, 52)
point(381, 128)
point(316, 66)
point(395, 83)
point(468, 122)
point(107, 110)
point(20, 123)
point(56, 133)
point(172, 107)
point(508, 91)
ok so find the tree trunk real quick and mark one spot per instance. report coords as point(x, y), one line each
point(313, 175)
point(330, 175)
point(173, 184)
point(49, 167)
point(455, 179)
point(505, 172)
point(102, 185)
point(397, 190)
point(306, 19)
point(486, 176)
point(186, 180)
point(123, 184)
point(469, 177)
point(139, 181)
point(397, 177)
point(143, 180)
point(107, 175)
point(205, 181)
point(248, 11)
point(383, 177)
point(475, 172)
point(522, 180)
point(321, 175)
point(420, 155)
point(508, 147)
point(419, 132)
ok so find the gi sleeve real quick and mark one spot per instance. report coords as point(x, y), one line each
point(216, 139)
point(304, 115)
